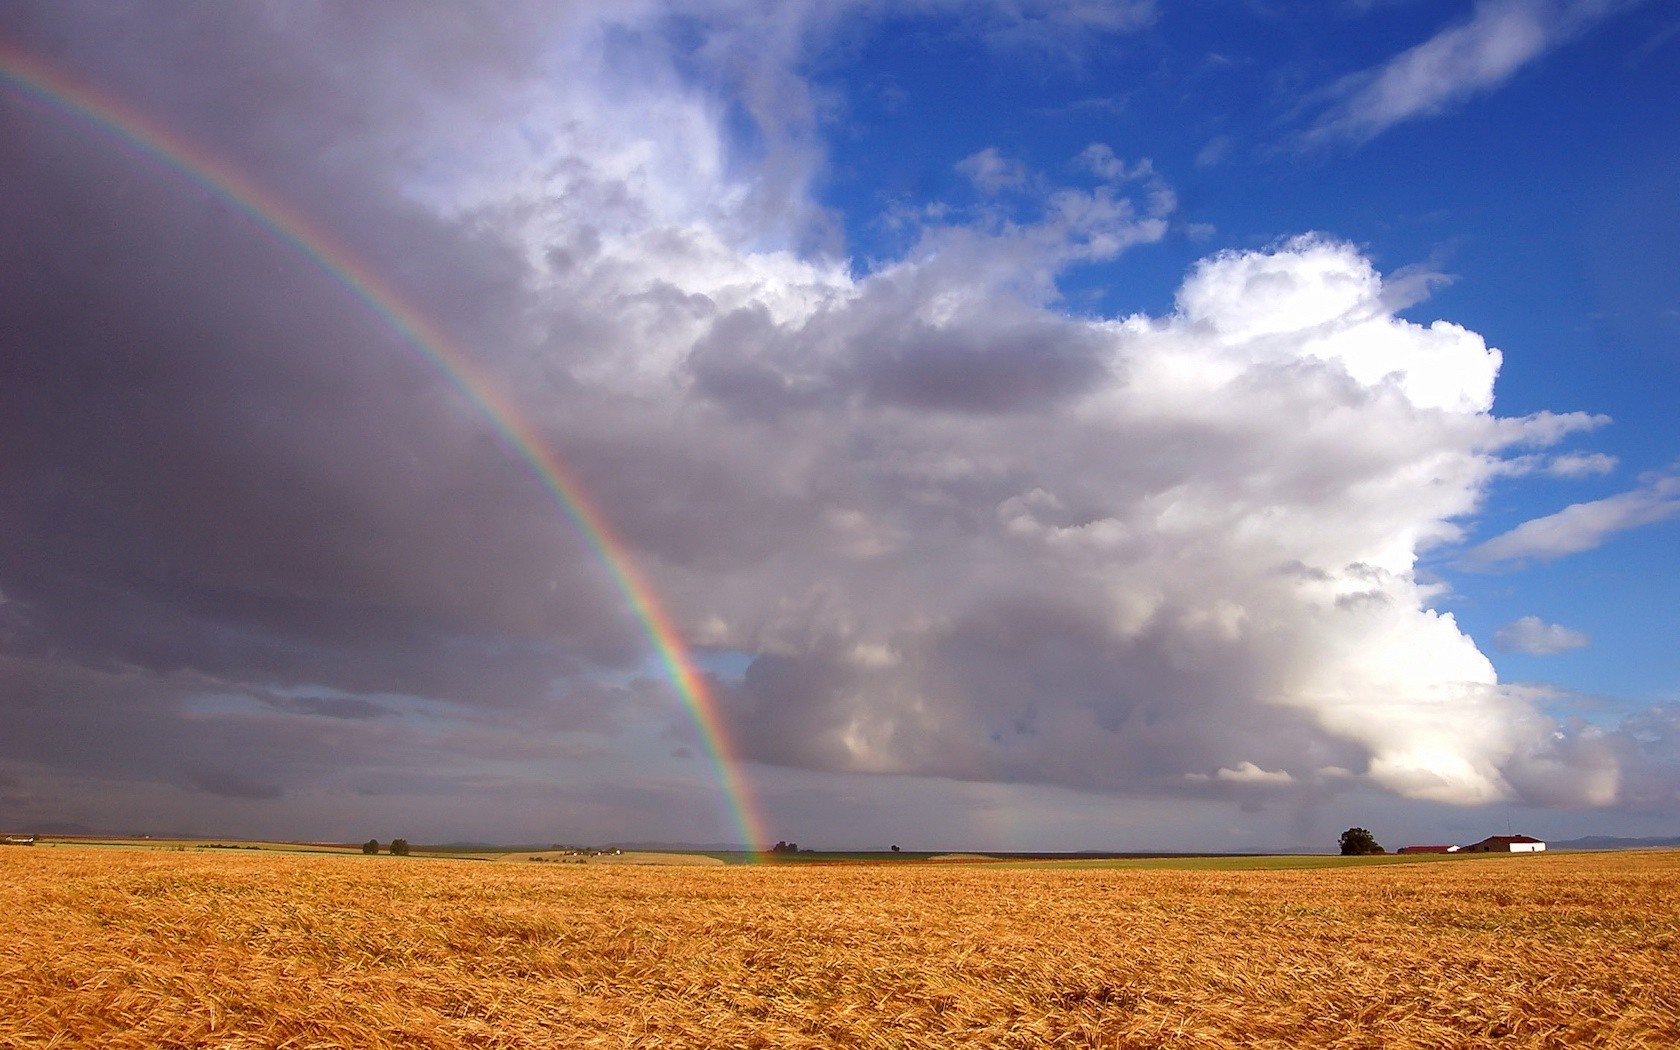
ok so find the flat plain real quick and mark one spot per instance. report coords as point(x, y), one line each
point(134, 948)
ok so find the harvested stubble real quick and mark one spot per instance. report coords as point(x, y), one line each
point(123, 949)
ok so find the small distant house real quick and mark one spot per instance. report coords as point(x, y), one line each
point(20, 840)
point(1505, 844)
point(1428, 849)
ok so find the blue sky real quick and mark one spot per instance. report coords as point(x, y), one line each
point(1054, 424)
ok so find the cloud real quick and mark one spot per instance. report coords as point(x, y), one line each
point(1475, 56)
point(1580, 464)
point(232, 784)
point(1113, 614)
point(950, 528)
point(991, 172)
point(1651, 744)
point(1582, 526)
point(1100, 159)
point(327, 706)
point(1532, 635)
point(1581, 765)
point(1249, 773)
point(1055, 26)
point(1215, 152)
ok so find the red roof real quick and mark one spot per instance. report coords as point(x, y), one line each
point(1504, 842)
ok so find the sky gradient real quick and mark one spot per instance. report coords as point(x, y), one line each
point(1103, 425)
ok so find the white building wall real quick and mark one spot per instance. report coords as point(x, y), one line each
point(1527, 847)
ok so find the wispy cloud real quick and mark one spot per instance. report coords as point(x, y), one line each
point(992, 172)
point(1536, 637)
point(1583, 526)
point(1569, 465)
point(1249, 773)
point(1501, 37)
point(1580, 464)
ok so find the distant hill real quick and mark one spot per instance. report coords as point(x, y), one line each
point(1610, 842)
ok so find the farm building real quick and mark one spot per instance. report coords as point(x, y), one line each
point(1505, 844)
point(1428, 849)
point(20, 840)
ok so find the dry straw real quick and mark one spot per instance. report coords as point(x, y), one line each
point(131, 949)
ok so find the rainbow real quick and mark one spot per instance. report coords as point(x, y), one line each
point(35, 79)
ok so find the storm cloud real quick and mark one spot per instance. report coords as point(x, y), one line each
point(251, 541)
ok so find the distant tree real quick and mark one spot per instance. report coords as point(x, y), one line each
point(370, 846)
point(895, 849)
point(399, 847)
point(785, 847)
point(1357, 842)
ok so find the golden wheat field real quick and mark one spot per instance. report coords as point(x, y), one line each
point(138, 949)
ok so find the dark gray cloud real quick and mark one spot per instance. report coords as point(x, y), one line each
point(877, 348)
point(1028, 364)
point(222, 458)
point(327, 706)
point(1027, 690)
point(231, 784)
point(224, 473)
